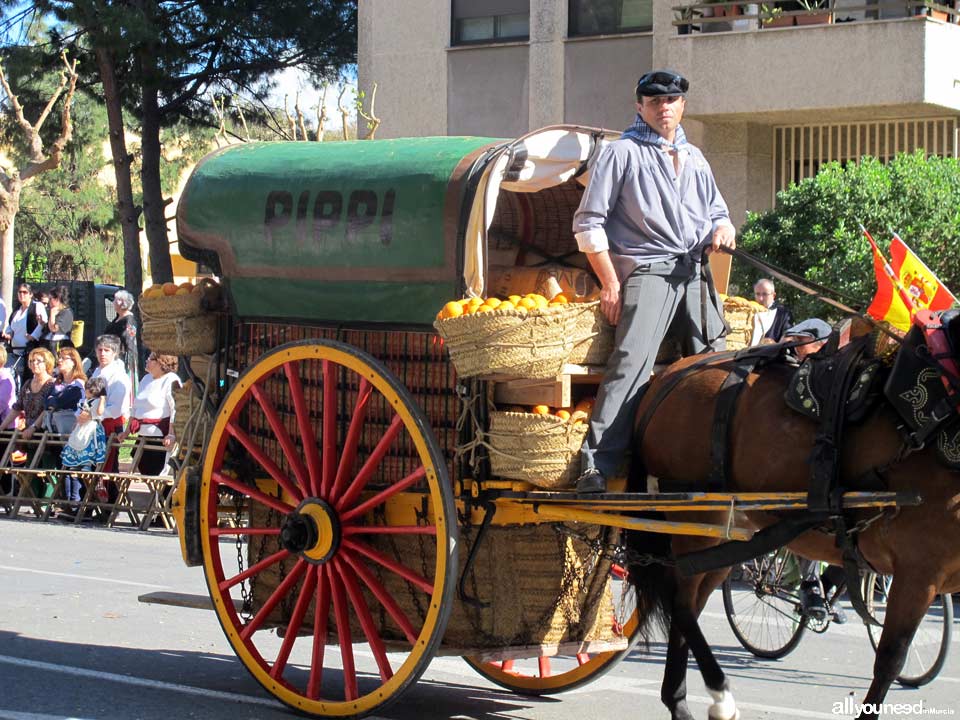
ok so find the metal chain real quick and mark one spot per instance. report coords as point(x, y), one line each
point(246, 608)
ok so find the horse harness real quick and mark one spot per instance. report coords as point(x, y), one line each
point(835, 387)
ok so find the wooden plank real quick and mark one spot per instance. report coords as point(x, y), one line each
point(554, 392)
point(184, 600)
point(519, 652)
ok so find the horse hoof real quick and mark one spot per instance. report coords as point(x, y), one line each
point(724, 707)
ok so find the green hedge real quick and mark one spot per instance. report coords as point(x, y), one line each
point(813, 231)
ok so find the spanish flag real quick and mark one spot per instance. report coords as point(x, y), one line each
point(904, 285)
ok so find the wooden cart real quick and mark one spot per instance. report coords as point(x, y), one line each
point(346, 535)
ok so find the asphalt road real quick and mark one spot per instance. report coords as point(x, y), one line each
point(75, 643)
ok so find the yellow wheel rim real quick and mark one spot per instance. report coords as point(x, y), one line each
point(349, 576)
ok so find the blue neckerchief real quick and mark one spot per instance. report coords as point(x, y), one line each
point(641, 132)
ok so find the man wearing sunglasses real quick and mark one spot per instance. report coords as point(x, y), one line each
point(648, 217)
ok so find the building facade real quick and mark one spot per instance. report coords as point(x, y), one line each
point(776, 90)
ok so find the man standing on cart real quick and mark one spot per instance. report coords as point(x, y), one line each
point(648, 217)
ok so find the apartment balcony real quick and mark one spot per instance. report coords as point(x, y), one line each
point(841, 60)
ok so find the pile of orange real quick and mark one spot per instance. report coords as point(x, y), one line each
point(577, 414)
point(522, 303)
point(169, 288)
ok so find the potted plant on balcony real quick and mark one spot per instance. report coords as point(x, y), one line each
point(725, 9)
point(817, 12)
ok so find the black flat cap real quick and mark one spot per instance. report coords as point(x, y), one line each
point(662, 82)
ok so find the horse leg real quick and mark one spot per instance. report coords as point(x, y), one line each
point(907, 604)
point(685, 636)
point(673, 691)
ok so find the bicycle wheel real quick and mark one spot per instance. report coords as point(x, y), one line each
point(763, 608)
point(930, 644)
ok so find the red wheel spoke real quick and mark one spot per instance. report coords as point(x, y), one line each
point(372, 463)
point(225, 585)
point(329, 426)
point(401, 570)
point(381, 594)
point(252, 492)
point(283, 437)
point(265, 462)
point(390, 530)
point(543, 665)
point(293, 627)
point(216, 532)
point(275, 597)
point(342, 619)
point(349, 454)
point(369, 628)
point(583, 658)
point(306, 428)
point(382, 496)
point(320, 614)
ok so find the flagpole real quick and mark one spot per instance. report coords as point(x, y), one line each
point(894, 278)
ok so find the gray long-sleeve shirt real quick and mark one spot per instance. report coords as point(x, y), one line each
point(637, 207)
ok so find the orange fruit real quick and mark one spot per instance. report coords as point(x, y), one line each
point(186, 286)
point(563, 414)
point(514, 299)
point(559, 299)
point(492, 302)
point(475, 302)
point(540, 410)
point(152, 292)
point(182, 291)
point(528, 303)
point(170, 288)
point(484, 308)
point(541, 301)
point(451, 310)
point(506, 305)
point(585, 405)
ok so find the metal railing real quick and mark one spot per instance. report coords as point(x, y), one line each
point(711, 17)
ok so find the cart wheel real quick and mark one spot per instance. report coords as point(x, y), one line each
point(931, 642)
point(763, 607)
point(548, 675)
point(296, 511)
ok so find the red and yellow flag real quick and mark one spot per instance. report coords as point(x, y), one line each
point(904, 285)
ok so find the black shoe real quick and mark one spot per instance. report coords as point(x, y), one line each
point(591, 481)
point(811, 600)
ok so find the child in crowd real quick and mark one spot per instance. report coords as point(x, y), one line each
point(87, 444)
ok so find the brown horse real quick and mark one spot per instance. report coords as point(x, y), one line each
point(769, 449)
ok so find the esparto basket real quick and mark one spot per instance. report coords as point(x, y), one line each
point(543, 450)
point(175, 306)
point(591, 334)
point(740, 315)
point(535, 344)
point(181, 336)
point(170, 306)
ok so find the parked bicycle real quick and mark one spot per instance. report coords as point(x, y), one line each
point(765, 612)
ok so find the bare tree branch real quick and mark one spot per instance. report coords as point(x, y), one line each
point(344, 113)
point(373, 122)
point(291, 125)
point(300, 121)
point(322, 112)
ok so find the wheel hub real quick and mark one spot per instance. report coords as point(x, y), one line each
point(312, 531)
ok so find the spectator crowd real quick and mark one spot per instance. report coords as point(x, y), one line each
point(45, 388)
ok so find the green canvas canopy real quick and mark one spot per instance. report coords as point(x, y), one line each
point(363, 231)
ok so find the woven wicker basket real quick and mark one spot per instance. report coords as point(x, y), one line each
point(540, 586)
point(176, 306)
point(740, 315)
point(181, 336)
point(170, 306)
point(529, 345)
point(592, 335)
point(541, 449)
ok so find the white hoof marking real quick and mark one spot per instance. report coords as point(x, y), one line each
point(724, 707)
